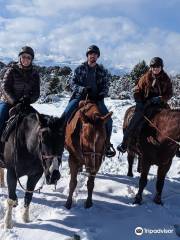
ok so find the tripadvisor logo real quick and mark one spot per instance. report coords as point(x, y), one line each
point(139, 231)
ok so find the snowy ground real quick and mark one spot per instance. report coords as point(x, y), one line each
point(112, 216)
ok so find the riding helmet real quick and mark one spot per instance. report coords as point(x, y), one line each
point(93, 49)
point(28, 50)
point(156, 61)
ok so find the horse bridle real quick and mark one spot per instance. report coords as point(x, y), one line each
point(41, 157)
point(93, 154)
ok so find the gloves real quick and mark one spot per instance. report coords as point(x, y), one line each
point(24, 100)
point(156, 100)
point(87, 90)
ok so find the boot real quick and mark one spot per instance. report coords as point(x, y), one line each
point(122, 147)
point(109, 150)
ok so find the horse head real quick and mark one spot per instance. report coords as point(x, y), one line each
point(51, 145)
point(92, 139)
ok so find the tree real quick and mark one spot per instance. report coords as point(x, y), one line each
point(138, 70)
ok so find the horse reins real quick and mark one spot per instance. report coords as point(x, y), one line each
point(154, 126)
point(94, 153)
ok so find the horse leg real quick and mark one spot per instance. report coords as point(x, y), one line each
point(142, 184)
point(2, 184)
point(12, 200)
point(31, 183)
point(90, 186)
point(161, 174)
point(130, 158)
point(73, 182)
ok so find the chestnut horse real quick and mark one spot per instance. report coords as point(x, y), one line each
point(158, 143)
point(85, 141)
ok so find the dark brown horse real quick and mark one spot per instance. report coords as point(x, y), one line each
point(85, 141)
point(158, 143)
point(132, 150)
point(31, 149)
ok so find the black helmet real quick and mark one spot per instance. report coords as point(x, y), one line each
point(156, 61)
point(28, 50)
point(94, 49)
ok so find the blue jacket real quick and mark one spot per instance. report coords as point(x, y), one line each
point(77, 83)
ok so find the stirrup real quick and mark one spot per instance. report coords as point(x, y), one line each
point(121, 149)
point(110, 151)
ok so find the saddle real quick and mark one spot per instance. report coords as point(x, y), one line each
point(149, 112)
point(17, 113)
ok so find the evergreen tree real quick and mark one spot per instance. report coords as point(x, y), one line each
point(138, 70)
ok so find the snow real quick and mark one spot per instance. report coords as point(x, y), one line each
point(113, 216)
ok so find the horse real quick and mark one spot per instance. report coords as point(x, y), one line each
point(132, 150)
point(33, 147)
point(158, 144)
point(85, 141)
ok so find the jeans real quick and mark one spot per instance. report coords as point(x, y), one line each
point(4, 115)
point(73, 104)
point(103, 109)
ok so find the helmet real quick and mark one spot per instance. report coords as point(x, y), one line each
point(28, 50)
point(156, 61)
point(94, 49)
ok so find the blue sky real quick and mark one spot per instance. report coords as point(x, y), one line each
point(126, 31)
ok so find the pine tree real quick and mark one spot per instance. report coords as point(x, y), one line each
point(138, 70)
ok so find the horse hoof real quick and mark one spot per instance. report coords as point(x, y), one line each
point(68, 204)
point(130, 174)
point(157, 200)
point(137, 199)
point(88, 204)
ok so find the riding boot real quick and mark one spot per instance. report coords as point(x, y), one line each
point(109, 149)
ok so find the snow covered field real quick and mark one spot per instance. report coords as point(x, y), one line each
point(112, 216)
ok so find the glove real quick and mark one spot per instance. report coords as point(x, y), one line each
point(25, 100)
point(156, 100)
point(100, 96)
point(87, 90)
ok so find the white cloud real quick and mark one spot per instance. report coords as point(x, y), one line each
point(62, 30)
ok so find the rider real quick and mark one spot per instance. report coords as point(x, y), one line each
point(91, 79)
point(21, 83)
point(154, 87)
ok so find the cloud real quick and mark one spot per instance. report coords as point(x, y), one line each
point(62, 30)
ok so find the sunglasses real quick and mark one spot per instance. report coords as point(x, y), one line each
point(26, 57)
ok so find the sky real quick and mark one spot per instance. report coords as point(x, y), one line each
point(126, 31)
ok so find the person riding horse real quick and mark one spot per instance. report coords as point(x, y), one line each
point(92, 80)
point(155, 88)
point(20, 84)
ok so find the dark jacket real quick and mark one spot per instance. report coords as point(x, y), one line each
point(150, 86)
point(77, 83)
point(19, 82)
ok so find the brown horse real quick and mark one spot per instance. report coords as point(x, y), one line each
point(132, 150)
point(158, 143)
point(85, 140)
